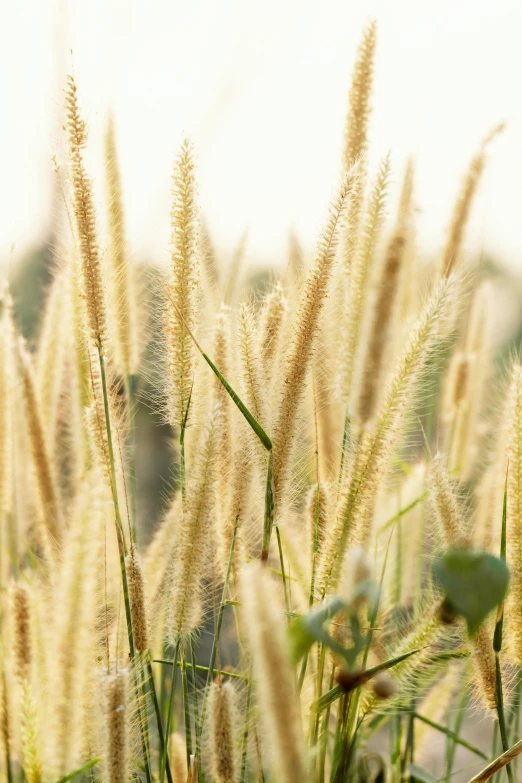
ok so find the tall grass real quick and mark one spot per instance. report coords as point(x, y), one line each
point(332, 438)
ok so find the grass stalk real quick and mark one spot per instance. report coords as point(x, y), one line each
point(159, 722)
point(170, 712)
point(132, 384)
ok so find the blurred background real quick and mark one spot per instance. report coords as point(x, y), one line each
point(261, 87)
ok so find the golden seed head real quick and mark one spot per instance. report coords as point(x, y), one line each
point(223, 729)
point(22, 631)
point(137, 600)
point(85, 220)
point(117, 755)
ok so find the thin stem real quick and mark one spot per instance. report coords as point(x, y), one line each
point(132, 383)
point(244, 753)
point(159, 722)
point(186, 707)
point(169, 714)
point(144, 724)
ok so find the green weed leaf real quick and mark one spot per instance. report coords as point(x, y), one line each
point(474, 583)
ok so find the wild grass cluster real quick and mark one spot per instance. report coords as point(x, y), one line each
point(336, 443)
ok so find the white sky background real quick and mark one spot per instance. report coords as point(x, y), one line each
point(261, 87)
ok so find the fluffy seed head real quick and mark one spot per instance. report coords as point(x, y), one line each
point(356, 135)
point(462, 208)
point(297, 357)
point(116, 727)
point(194, 543)
point(513, 420)
point(450, 517)
point(85, 219)
point(354, 513)
point(120, 272)
point(137, 599)
point(182, 286)
point(22, 631)
point(223, 728)
point(275, 683)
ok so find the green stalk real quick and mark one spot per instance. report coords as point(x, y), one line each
point(269, 509)
point(159, 722)
point(217, 631)
point(497, 646)
point(132, 384)
point(183, 428)
point(186, 708)
point(5, 728)
point(244, 752)
point(169, 714)
point(142, 712)
point(451, 747)
point(122, 548)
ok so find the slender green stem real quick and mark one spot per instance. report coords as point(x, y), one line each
point(455, 732)
point(283, 575)
point(186, 707)
point(142, 711)
point(159, 722)
point(217, 632)
point(131, 384)
point(244, 752)
point(269, 509)
point(182, 431)
point(121, 547)
point(501, 715)
point(169, 714)
point(5, 727)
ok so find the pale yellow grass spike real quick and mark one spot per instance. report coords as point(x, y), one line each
point(120, 273)
point(375, 342)
point(354, 514)
point(450, 516)
point(223, 733)
point(328, 410)
point(250, 367)
point(317, 510)
point(222, 358)
point(85, 220)
point(513, 424)
point(70, 638)
point(136, 582)
point(296, 266)
point(22, 635)
point(116, 718)
point(359, 108)
point(234, 273)
point(195, 543)
point(462, 208)
point(355, 147)
point(359, 277)
point(484, 668)
point(31, 750)
point(178, 758)
point(7, 380)
point(280, 716)
point(297, 357)
point(182, 287)
point(41, 454)
point(51, 353)
point(271, 323)
point(466, 388)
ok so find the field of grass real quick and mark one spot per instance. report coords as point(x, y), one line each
point(334, 592)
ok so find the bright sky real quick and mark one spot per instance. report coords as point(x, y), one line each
point(261, 87)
